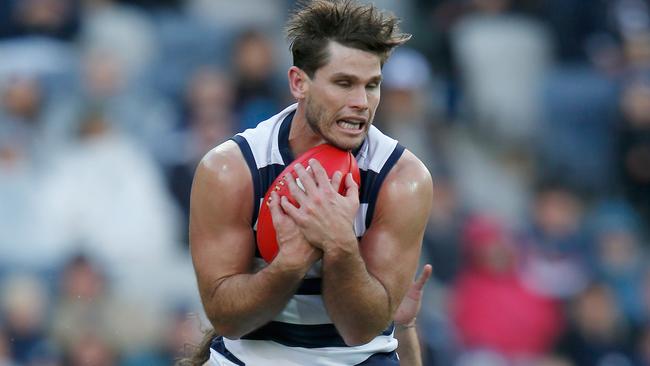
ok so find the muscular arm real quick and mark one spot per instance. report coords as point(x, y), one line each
point(363, 283)
point(236, 299)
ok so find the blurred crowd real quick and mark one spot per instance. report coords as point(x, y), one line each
point(533, 117)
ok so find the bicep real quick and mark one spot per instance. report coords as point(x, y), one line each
point(221, 236)
point(391, 245)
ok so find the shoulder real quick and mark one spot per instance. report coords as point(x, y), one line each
point(407, 191)
point(409, 176)
point(223, 170)
point(222, 187)
point(224, 162)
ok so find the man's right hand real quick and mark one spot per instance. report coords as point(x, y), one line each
point(294, 251)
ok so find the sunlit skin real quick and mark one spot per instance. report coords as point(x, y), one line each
point(336, 105)
point(344, 89)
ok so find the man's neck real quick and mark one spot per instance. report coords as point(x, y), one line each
point(301, 136)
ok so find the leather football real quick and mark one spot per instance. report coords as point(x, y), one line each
point(332, 159)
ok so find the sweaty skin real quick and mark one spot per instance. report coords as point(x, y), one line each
point(236, 299)
point(341, 99)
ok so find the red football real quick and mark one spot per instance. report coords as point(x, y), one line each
point(332, 159)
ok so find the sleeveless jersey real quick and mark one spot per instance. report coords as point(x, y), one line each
point(303, 333)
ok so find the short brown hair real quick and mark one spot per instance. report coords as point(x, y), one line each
point(313, 26)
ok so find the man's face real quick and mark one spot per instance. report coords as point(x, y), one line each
point(343, 96)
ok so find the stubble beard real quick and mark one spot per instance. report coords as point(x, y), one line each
point(314, 113)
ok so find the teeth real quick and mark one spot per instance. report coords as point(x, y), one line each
point(349, 125)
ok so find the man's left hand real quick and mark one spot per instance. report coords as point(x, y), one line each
point(325, 217)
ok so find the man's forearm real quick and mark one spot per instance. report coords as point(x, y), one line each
point(408, 347)
point(356, 301)
point(242, 303)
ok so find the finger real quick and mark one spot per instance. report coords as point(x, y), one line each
point(337, 178)
point(274, 207)
point(423, 278)
point(291, 210)
point(319, 173)
point(351, 188)
point(296, 192)
point(277, 215)
point(306, 179)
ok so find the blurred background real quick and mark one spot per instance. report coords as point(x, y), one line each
point(533, 117)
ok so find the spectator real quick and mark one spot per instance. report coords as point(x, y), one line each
point(121, 31)
point(131, 108)
point(406, 113)
point(598, 334)
point(107, 197)
point(23, 160)
point(575, 139)
point(620, 261)
point(491, 307)
point(554, 245)
point(634, 144)
point(256, 89)
point(181, 330)
point(51, 18)
point(442, 244)
point(491, 44)
point(24, 305)
point(575, 27)
point(208, 120)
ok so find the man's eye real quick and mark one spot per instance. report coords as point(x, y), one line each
point(343, 83)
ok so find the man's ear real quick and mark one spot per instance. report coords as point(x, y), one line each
point(298, 82)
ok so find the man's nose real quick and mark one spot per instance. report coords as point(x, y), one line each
point(358, 99)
